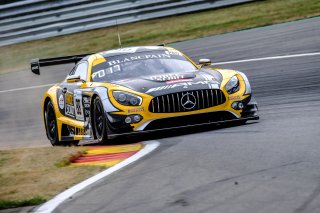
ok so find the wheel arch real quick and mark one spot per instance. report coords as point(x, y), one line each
point(51, 96)
point(102, 93)
point(45, 103)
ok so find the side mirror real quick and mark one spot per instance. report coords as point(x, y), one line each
point(74, 78)
point(204, 62)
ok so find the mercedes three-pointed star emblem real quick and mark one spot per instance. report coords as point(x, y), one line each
point(188, 101)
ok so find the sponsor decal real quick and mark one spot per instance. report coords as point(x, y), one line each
point(86, 108)
point(167, 77)
point(172, 52)
point(122, 50)
point(61, 101)
point(178, 80)
point(69, 99)
point(71, 130)
point(130, 49)
point(102, 73)
point(87, 128)
point(78, 106)
point(79, 131)
point(135, 110)
point(185, 85)
point(78, 109)
point(87, 112)
point(234, 98)
point(86, 101)
point(70, 110)
point(34, 67)
point(138, 57)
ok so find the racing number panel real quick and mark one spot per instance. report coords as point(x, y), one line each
point(75, 104)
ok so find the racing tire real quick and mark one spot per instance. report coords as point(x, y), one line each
point(99, 121)
point(51, 124)
point(52, 128)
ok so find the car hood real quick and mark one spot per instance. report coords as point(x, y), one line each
point(156, 85)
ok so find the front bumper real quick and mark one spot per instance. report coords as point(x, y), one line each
point(163, 121)
point(154, 127)
point(250, 108)
point(120, 127)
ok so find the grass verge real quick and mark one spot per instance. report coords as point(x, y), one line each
point(163, 30)
point(6, 204)
point(30, 176)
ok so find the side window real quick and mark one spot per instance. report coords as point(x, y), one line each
point(81, 70)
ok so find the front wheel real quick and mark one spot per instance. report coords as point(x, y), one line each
point(99, 120)
point(51, 124)
point(52, 128)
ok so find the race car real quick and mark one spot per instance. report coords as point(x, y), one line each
point(140, 89)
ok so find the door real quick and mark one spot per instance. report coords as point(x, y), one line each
point(70, 99)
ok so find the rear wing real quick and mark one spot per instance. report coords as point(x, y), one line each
point(37, 63)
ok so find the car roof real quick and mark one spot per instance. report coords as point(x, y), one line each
point(128, 50)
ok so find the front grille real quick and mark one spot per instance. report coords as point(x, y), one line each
point(178, 102)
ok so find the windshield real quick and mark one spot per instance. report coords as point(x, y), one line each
point(140, 64)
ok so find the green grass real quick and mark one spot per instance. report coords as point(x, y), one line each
point(30, 176)
point(6, 204)
point(163, 30)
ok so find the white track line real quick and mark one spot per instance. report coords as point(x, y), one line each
point(218, 63)
point(268, 58)
point(26, 88)
point(50, 205)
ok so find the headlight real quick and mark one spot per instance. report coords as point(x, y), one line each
point(233, 85)
point(127, 99)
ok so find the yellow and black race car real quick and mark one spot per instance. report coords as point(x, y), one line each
point(140, 89)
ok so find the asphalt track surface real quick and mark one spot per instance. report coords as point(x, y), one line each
point(266, 166)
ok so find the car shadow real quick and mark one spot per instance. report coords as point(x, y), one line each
point(168, 133)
